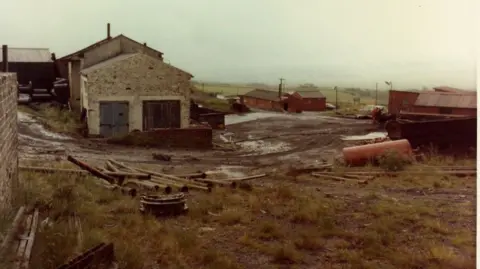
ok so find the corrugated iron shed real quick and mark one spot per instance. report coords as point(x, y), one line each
point(442, 99)
point(28, 55)
point(310, 94)
point(452, 90)
point(263, 94)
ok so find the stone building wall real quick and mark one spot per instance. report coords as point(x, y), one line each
point(135, 78)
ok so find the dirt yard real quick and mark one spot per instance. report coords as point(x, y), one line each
point(299, 221)
point(263, 139)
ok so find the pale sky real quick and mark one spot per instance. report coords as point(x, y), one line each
point(413, 43)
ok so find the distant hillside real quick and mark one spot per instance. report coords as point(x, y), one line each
point(344, 95)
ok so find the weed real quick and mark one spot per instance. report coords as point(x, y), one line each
point(392, 161)
point(284, 225)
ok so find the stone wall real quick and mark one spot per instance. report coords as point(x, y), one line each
point(195, 137)
point(8, 138)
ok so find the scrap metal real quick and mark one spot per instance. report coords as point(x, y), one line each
point(167, 205)
point(101, 254)
point(441, 133)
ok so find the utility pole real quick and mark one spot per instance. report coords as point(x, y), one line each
point(280, 87)
point(336, 97)
point(376, 93)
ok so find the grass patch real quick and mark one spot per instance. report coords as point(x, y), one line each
point(286, 224)
point(54, 118)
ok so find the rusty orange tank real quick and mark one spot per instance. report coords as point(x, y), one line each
point(360, 155)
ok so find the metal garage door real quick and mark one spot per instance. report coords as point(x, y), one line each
point(113, 118)
point(161, 114)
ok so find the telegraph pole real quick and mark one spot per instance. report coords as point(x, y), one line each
point(376, 93)
point(336, 97)
point(280, 87)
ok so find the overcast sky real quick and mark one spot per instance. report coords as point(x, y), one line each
point(414, 43)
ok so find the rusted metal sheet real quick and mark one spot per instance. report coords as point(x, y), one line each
point(161, 114)
point(101, 254)
point(443, 99)
point(442, 133)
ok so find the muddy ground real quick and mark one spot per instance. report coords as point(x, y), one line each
point(433, 214)
point(262, 139)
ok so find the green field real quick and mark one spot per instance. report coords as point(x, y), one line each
point(344, 95)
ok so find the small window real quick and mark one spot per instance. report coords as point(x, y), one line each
point(446, 110)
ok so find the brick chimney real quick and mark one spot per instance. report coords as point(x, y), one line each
point(108, 31)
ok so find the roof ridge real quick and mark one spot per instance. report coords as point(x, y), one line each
point(29, 48)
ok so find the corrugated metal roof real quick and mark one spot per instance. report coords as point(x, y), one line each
point(263, 94)
point(443, 99)
point(108, 62)
point(310, 94)
point(452, 90)
point(28, 55)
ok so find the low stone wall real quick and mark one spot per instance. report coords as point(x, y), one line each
point(182, 138)
point(8, 139)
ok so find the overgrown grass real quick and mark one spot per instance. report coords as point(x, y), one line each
point(54, 118)
point(285, 224)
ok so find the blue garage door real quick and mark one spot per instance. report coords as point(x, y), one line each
point(113, 118)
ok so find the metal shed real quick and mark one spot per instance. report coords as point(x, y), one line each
point(31, 64)
point(455, 103)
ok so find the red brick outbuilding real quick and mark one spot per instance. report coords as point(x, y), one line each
point(271, 100)
point(311, 100)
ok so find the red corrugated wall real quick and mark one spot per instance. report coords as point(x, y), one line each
point(401, 100)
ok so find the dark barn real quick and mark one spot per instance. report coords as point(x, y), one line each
point(33, 65)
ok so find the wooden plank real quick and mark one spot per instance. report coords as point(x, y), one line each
point(31, 240)
point(23, 242)
point(13, 230)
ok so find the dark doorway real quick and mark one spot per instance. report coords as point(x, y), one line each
point(161, 114)
point(285, 106)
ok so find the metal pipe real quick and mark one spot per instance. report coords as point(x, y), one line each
point(108, 31)
point(92, 170)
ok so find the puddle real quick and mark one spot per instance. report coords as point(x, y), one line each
point(230, 171)
point(261, 147)
point(36, 128)
point(239, 118)
point(370, 136)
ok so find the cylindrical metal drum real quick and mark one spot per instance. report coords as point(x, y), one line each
point(360, 155)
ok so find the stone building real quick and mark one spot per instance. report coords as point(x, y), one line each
point(121, 85)
point(8, 140)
